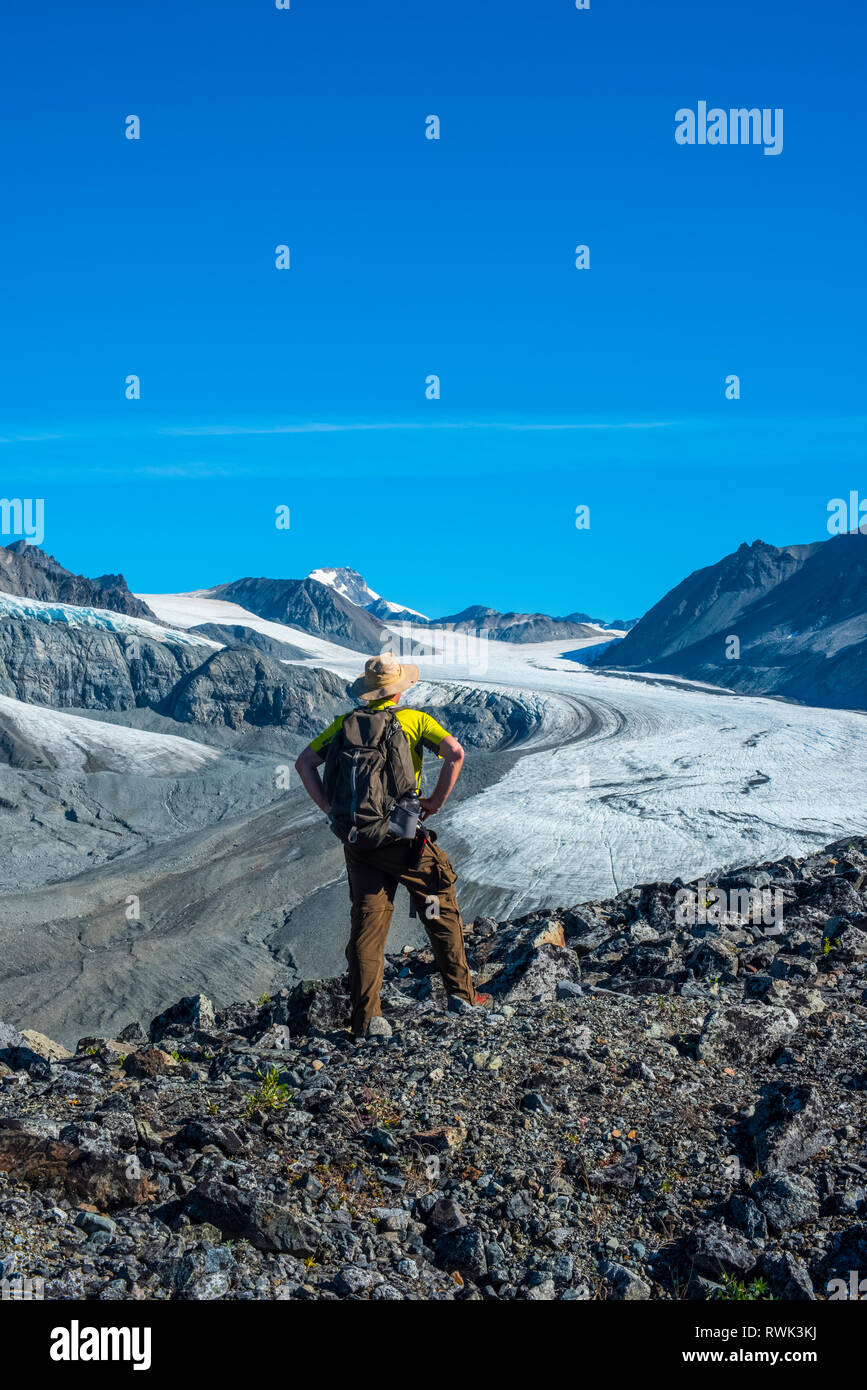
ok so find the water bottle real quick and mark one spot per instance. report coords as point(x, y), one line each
point(404, 817)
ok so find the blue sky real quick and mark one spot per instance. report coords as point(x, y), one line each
point(410, 257)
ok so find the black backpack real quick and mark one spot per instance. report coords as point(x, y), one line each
point(368, 767)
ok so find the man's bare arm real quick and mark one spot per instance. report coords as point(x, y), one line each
point(452, 755)
point(307, 765)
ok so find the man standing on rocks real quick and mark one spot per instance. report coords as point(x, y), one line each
point(371, 795)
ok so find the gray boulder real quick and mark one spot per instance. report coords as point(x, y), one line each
point(745, 1034)
point(787, 1277)
point(462, 1250)
point(249, 1216)
point(713, 1251)
point(787, 1126)
point(191, 1013)
point(624, 1283)
point(787, 1200)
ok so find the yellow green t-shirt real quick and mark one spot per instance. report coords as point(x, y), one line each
point(422, 731)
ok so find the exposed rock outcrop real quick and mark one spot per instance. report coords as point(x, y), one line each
point(63, 666)
point(238, 686)
point(31, 573)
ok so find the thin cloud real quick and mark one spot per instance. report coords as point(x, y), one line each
point(29, 438)
point(323, 427)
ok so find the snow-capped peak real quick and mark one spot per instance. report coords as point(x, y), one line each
point(353, 586)
point(347, 582)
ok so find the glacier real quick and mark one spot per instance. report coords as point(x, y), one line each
point(625, 778)
point(73, 742)
point(69, 614)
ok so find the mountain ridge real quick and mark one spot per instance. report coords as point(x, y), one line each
point(515, 627)
point(318, 609)
point(29, 572)
point(798, 614)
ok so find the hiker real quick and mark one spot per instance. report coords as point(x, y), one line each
point(371, 795)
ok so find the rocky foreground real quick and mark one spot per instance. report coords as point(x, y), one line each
point(658, 1103)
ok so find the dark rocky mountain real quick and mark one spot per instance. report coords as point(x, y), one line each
point(238, 635)
point(514, 627)
point(703, 1082)
point(354, 587)
point(29, 572)
point(238, 686)
point(799, 613)
point(306, 604)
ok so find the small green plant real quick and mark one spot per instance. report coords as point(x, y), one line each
point(672, 1177)
point(270, 1094)
point(378, 1109)
point(92, 1051)
point(829, 944)
point(735, 1290)
point(263, 1000)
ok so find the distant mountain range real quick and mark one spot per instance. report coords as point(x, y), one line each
point(27, 571)
point(509, 627)
point(615, 624)
point(518, 627)
point(781, 620)
point(788, 620)
point(334, 603)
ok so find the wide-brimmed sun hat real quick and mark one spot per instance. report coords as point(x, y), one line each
point(383, 676)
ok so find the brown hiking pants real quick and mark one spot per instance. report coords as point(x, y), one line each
point(374, 876)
